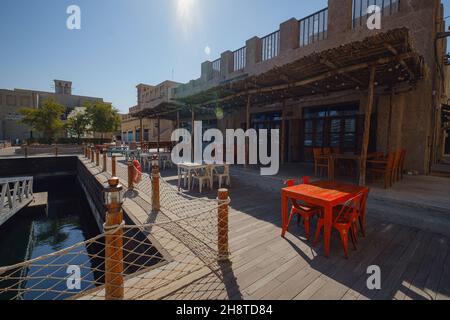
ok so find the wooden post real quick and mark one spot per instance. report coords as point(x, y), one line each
point(104, 160)
point(156, 206)
point(141, 132)
point(113, 166)
point(114, 280)
point(92, 155)
point(26, 152)
point(130, 175)
point(178, 120)
point(365, 145)
point(222, 224)
point(97, 157)
point(283, 134)
point(248, 124)
point(56, 151)
point(192, 133)
point(159, 134)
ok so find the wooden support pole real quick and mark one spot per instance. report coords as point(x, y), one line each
point(366, 137)
point(104, 160)
point(222, 224)
point(114, 267)
point(26, 152)
point(92, 155)
point(113, 166)
point(97, 157)
point(283, 134)
point(141, 133)
point(156, 204)
point(130, 175)
point(248, 125)
point(159, 134)
point(192, 132)
point(56, 151)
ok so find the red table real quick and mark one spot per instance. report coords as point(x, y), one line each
point(326, 194)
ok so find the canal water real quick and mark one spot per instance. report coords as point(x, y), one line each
point(35, 233)
point(68, 222)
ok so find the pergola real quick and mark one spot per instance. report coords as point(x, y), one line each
point(375, 64)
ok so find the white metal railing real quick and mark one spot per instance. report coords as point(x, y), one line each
point(16, 193)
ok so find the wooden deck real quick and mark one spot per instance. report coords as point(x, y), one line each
point(415, 264)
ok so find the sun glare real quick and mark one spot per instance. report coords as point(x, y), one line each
point(185, 8)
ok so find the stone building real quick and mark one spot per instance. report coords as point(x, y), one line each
point(331, 80)
point(11, 101)
point(148, 97)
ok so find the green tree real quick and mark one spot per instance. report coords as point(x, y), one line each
point(77, 124)
point(46, 119)
point(104, 118)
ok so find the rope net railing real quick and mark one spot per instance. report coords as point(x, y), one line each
point(180, 243)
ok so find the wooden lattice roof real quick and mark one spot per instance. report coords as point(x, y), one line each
point(346, 67)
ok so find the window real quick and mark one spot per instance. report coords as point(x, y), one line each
point(334, 127)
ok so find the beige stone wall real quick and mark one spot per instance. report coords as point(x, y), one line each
point(11, 101)
point(133, 125)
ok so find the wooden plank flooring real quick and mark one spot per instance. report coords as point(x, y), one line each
point(415, 264)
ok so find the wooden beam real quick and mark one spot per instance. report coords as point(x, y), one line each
point(323, 76)
point(402, 61)
point(159, 134)
point(248, 124)
point(141, 131)
point(192, 132)
point(335, 67)
point(366, 137)
point(283, 133)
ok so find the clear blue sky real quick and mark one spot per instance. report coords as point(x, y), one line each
point(126, 42)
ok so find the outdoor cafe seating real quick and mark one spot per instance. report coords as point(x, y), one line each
point(338, 206)
point(330, 162)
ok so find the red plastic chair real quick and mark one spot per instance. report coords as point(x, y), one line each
point(345, 219)
point(305, 211)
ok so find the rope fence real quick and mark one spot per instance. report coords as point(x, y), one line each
point(186, 240)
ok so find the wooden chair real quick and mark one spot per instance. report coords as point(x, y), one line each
point(203, 179)
point(305, 211)
point(383, 168)
point(225, 176)
point(321, 162)
point(345, 218)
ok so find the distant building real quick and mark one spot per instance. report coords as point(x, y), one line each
point(148, 97)
point(11, 101)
